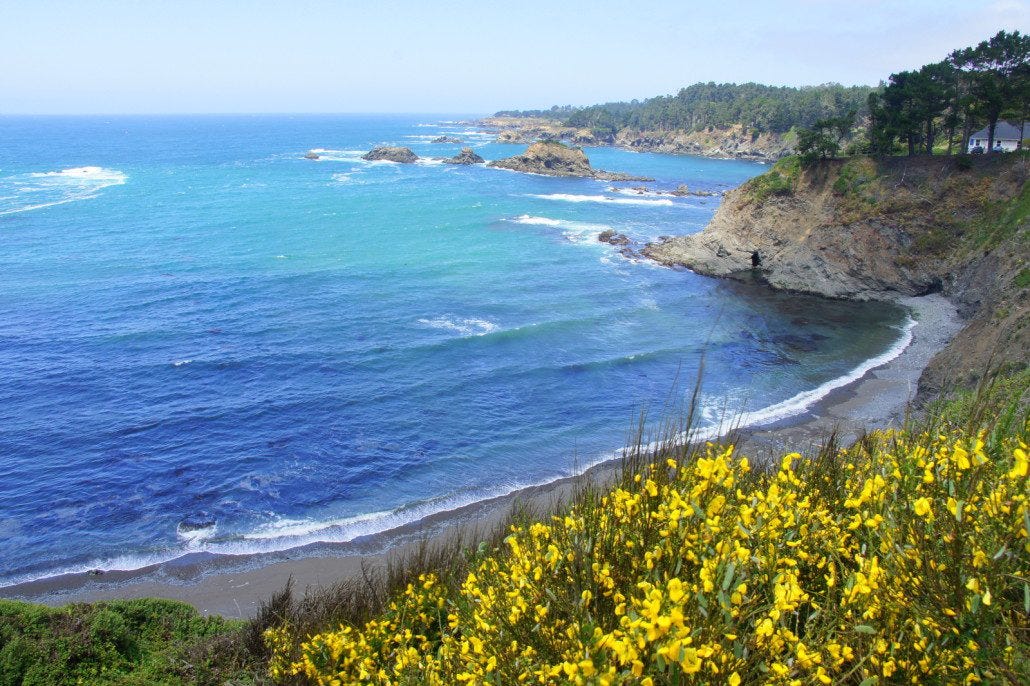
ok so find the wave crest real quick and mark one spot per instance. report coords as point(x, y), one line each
point(465, 327)
point(36, 190)
point(570, 197)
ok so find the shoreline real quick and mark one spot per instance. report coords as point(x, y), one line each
point(236, 585)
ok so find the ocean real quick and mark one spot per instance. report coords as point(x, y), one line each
point(211, 344)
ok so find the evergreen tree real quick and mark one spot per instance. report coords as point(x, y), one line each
point(998, 72)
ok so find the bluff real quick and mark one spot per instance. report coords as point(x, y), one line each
point(731, 141)
point(556, 159)
point(877, 229)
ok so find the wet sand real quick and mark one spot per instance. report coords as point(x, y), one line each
point(235, 586)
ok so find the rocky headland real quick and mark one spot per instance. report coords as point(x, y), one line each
point(466, 156)
point(734, 142)
point(867, 229)
point(556, 159)
point(390, 154)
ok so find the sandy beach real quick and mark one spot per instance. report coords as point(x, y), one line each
point(235, 586)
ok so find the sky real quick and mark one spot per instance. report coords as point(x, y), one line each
point(454, 56)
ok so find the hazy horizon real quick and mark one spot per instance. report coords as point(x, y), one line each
point(108, 57)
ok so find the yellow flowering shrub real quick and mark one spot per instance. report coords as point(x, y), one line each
point(904, 558)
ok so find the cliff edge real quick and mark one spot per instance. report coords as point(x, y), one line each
point(879, 229)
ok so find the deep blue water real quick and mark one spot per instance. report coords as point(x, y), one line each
point(199, 327)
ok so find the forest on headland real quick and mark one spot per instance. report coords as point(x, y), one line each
point(933, 109)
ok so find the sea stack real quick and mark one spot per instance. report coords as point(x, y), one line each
point(466, 156)
point(552, 158)
point(390, 154)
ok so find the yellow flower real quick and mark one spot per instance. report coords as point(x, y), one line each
point(1022, 465)
point(675, 590)
point(922, 508)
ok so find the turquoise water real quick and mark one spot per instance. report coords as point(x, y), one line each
point(211, 344)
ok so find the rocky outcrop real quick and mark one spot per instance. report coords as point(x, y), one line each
point(588, 137)
point(466, 156)
point(725, 142)
point(526, 129)
point(800, 241)
point(555, 159)
point(612, 237)
point(390, 154)
point(863, 229)
point(513, 136)
point(446, 139)
point(311, 155)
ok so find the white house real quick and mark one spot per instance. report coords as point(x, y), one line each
point(1006, 137)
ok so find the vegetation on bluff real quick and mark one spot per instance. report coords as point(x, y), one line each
point(145, 642)
point(758, 107)
point(974, 86)
point(905, 556)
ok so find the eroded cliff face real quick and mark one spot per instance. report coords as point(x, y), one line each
point(723, 142)
point(794, 231)
point(866, 229)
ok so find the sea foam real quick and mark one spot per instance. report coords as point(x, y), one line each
point(465, 327)
point(575, 231)
point(36, 190)
point(568, 197)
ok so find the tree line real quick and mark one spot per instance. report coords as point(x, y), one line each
point(757, 107)
point(973, 87)
point(914, 110)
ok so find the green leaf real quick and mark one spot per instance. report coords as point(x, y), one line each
point(865, 629)
point(869, 681)
point(727, 578)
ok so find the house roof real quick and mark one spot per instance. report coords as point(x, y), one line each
point(1004, 131)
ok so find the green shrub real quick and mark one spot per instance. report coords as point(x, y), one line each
point(780, 180)
point(144, 641)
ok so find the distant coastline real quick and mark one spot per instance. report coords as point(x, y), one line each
point(731, 142)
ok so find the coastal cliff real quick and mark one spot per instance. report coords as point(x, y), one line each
point(879, 229)
point(720, 142)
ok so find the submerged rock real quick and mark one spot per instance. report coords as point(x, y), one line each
point(446, 139)
point(613, 237)
point(311, 155)
point(555, 159)
point(391, 154)
point(466, 156)
point(195, 522)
